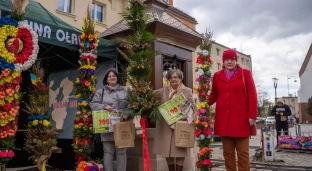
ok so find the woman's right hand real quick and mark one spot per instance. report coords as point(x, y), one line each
point(109, 108)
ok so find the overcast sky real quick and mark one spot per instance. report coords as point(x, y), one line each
point(276, 33)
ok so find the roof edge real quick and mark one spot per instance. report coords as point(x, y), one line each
point(306, 61)
point(230, 48)
point(182, 14)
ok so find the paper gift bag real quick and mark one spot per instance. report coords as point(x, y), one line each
point(113, 119)
point(184, 134)
point(100, 121)
point(124, 134)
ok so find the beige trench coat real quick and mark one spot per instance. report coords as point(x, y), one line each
point(164, 142)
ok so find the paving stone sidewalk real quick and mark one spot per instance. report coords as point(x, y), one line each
point(288, 158)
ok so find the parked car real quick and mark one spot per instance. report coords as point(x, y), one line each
point(260, 120)
point(270, 120)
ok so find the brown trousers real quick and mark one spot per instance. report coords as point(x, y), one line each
point(242, 148)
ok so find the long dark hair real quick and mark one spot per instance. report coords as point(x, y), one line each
point(106, 76)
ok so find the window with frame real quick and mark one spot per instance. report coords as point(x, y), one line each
point(98, 12)
point(243, 63)
point(247, 62)
point(292, 100)
point(218, 51)
point(64, 5)
point(219, 66)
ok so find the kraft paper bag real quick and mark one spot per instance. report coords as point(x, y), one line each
point(124, 134)
point(184, 134)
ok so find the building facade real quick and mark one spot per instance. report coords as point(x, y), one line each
point(305, 90)
point(217, 50)
point(292, 102)
point(106, 12)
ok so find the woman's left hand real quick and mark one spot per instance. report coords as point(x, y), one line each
point(183, 118)
point(251, 122)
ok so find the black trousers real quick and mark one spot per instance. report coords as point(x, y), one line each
point(281, 125)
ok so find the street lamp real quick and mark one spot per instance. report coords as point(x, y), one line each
point(275, 86)
point(288, 83)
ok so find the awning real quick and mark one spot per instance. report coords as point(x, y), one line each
point(53, 30)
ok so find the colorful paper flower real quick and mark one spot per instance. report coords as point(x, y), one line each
point(204, 128)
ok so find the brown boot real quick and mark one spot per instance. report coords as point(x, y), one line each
point(171, 167)
point(179, 168)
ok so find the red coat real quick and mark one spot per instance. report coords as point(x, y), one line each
point(234, 105)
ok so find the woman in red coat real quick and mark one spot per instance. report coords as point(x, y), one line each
point(234, 92)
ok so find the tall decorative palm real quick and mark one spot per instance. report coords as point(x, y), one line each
point(85, 89)
point(40, 137)
point(143, 101)
point(204, 127)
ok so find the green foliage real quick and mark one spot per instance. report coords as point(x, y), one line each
point(8, 143)
point(141, 97)
point(206, 42)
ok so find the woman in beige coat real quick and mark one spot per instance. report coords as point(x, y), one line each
point(164, 142)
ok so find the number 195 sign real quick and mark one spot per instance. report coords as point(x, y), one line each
point(100, 121)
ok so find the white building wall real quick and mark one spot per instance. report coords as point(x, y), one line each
point(305, 90)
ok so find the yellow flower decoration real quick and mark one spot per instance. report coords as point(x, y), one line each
point(35, 122)
point(87, 67)
point(204, 66)
point(82, 36)
point(2, 102)
point(38, 80)
point(8, 79)
point(9, 99)
point(46, 123)
point(91, 88)
point(78, 95)
point(3, 122)
point(77, 80)
point(5, 32)
point(201, 105)
point(84, 103)
point(16, 74)
point(16, 96)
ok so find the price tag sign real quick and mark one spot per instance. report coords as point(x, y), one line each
point(100, 121)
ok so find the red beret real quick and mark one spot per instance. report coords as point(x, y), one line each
point(230, 53)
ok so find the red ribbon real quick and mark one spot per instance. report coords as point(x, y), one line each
point(147, 160)
point(79, 158)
